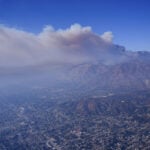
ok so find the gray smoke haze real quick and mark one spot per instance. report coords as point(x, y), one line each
point(76, 44)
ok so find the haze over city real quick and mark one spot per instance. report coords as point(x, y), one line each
point(74, 75)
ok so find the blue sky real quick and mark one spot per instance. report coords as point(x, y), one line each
point(129, 20)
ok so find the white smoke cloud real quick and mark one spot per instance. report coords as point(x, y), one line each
point(107, 36)
point(75, 44)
